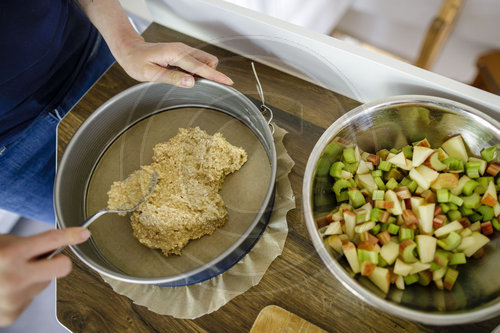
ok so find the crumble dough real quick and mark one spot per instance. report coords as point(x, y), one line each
point(185, 203)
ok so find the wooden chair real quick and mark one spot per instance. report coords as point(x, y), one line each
point(488, 72)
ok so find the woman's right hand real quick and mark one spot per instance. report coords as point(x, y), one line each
point(25, 271)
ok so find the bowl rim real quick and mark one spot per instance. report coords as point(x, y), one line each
point(176, 278)
point(479, 314)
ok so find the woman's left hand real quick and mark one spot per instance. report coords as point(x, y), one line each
point(145, 61)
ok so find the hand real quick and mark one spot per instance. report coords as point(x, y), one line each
point(154, 61)
point(24, 274)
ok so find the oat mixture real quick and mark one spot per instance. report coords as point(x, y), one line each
point(185, 203)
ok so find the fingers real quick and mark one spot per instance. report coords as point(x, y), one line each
point(46, 270)
point(157, 73)
point(194, 66)
point(33, 246)
point(205, 57)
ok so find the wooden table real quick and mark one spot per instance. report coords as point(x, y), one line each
point(297, 280)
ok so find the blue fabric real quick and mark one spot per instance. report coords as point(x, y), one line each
point(28, 164)
point(44, 45)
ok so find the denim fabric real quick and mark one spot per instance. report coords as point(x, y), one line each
point(27, 165)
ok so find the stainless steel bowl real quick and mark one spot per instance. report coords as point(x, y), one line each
point(117, 116)
point(386, 123)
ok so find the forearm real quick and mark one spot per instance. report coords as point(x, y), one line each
point(110, 19)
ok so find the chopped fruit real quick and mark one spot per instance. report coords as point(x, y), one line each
point(489, 153)
point(455, 147)
point(402, 268)
point(409, 217)
point(367, 268)
point(351, 255)
point(384, 237)
point(406, 250)
point(426, 213)
point(426, 247)
point(424, 277)
point(450, 278)
point(390, 252)
point(457, 259)
point(451, 242)
point(446, 229)
point(420, 154)
point(438, 221)
point(434, 162)
point(493, 169)
point(403, 192)
point(391, 196)
point(486, 228)
point(381, 278)
point(442, 257)
point(490, 196)
point(411, 279)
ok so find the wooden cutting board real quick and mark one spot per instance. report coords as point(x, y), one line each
point(275, 319)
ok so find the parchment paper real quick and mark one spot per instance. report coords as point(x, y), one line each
point(193, 301)
point(243, 192)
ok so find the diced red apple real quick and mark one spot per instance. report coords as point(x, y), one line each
point(420, 154)
point(362, 168)
point(461, 183)
point(366, 181)
point(333, 228)
point(402, 268)
point(351, 255)
point(399, 160)
point(434, 162)
point(445, 180)
point(418, 267)
point(426, 246)
point(335, 242)
point(446, 229)
point(490, 196)
point(423, 143)
point(381, 278)
point(421, 181)
point(455, 147)
point(429, 174)
point(479, 240)
point(400, 282)
point(390, 252)
point(350, 223)
point(426, 213)
point(367, 268)
point(391, 196)
point(415, 203)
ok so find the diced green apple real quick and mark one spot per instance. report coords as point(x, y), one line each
point(333, 228)
point(420, 154)
point(446, 229)
point(381, 278)
point(351, 255)
point(415, 203)
point(390, 252)
point(335, 242)
point(455, 147)
point(426, 214)
point(362, 168)
point(426, 246)
point(402, 268)
point(479, 241)
point(367, 226)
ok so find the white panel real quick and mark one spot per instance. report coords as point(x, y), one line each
point(347, 69)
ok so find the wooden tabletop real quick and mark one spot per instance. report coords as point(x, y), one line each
point(297, 280)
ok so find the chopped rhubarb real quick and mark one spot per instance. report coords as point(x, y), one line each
point(384, 237)
point(486, 228)
point(438, 221)
point(493, 169)
point(403, 192)
point(409, 217)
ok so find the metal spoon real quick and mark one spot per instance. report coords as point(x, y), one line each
point(89, 221)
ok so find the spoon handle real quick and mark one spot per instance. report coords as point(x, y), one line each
point(84, 225)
